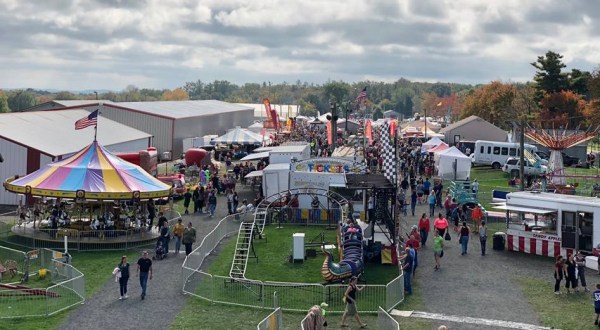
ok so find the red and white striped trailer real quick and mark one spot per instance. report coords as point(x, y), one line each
point(551, 224)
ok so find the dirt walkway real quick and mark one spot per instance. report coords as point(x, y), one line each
point(475, 285)
point(164, 299)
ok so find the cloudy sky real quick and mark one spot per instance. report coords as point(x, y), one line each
point(109, 44)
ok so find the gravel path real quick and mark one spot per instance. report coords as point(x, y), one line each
point(163, 300)
point(475, 285)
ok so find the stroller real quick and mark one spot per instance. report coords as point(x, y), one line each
point(159, 253)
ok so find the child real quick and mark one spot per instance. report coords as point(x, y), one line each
point(596, 297)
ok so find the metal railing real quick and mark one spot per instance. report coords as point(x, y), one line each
point(12, 263)
point(386, 321)
point(66, 289)
point(273, 321)
point(258, 294)
point(80, 240)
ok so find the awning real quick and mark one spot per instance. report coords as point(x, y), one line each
point(258, 155)
point(522, 209)
point(254, 174)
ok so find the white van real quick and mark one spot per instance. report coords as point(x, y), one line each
point(497, 153)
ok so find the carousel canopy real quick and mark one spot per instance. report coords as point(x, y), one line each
point(92, 173)
point(242, 136)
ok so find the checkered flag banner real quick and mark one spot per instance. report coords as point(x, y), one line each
point(389, 154)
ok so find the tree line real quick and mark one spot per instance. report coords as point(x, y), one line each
point(554, 97)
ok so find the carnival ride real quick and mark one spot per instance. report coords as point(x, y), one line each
point(351, 252)
point(93, 192)
point(557, 141)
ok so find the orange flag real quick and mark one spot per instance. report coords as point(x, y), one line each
point(329, 133)
point(369, 131)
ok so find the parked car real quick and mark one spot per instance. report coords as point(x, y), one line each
point(513, 166)
point(543, 154)
point(569, 160)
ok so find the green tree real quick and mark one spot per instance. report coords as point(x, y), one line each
point(336, 91)
point(578, 82)
point(64, 95)
point(4, 103)
point(21, 100)
point(549, 77)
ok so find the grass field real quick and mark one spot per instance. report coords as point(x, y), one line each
point(97, 268)
point(567, 311)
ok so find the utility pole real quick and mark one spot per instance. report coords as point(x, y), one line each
point(333, 120)
point(425, 121)
point(522, 153)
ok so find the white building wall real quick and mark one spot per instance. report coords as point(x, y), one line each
point(15, 163)
point(129, 146)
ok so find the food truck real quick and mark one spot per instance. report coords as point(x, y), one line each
point(550, 224)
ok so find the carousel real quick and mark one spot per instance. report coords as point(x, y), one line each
point(92, 200)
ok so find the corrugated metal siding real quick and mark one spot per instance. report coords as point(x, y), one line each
point(205, 125)
point(15, 163)
point(160, 128)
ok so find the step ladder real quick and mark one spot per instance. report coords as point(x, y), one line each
point(243, 248)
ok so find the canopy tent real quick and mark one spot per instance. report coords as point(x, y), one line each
point(92, 173)
point(242, 136)
point(439, 148)
point(256, 127)
point(254, 174)
point(453, 164)
point(255, 156)
point(433, 142)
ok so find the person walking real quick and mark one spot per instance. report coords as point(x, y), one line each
point(144, 271)
point(431, 202)
point(482, 237)
point(571, 278)
point(350, 298)
point(559, 271)
point(464, 237)
point(424, 228)
point(123, 267)
point(438, 248)
point(580, 263)
point(212, 203)
point(476, 216)
point(413, 202)
point(196, 199)
point(201, 198)
point(187, 197)
point(475, 188)
point(189, 238)
point(441, 225)
point(177, 234)
point(596, 297)
point(165, 235)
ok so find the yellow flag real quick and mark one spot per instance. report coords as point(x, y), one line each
point(439, 104)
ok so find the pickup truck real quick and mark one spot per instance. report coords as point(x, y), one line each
point(513, 166)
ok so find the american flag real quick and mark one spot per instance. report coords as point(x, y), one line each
point(362, 96)
point(90, 120)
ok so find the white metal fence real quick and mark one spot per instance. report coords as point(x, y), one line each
point(259, 294)
point(273, 321)
point(64, 289)
point(386, 321)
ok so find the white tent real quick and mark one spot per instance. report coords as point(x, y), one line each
point(256, 127)
point(242, 136)
point(453, 161)
point(433, 142)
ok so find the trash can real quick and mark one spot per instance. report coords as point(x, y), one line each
point(499, 241)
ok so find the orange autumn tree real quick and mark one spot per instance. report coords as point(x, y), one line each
point(178, 94)
point(492, 102)
point(591, 112)
point(441, 106)
point(561, 109)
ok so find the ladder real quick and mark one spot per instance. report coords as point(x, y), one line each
point(242, 250)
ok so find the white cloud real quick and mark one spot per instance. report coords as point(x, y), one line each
point(160, 43)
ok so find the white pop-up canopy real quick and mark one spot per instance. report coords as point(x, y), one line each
point(242, 136)
point(453, 161)
point(433, 142)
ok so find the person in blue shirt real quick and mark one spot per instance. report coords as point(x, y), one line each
point(409, 263)
point(596, 296)
point(426, 187)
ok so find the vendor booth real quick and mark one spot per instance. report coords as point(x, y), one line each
point(551, 224)
point(454, 165)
